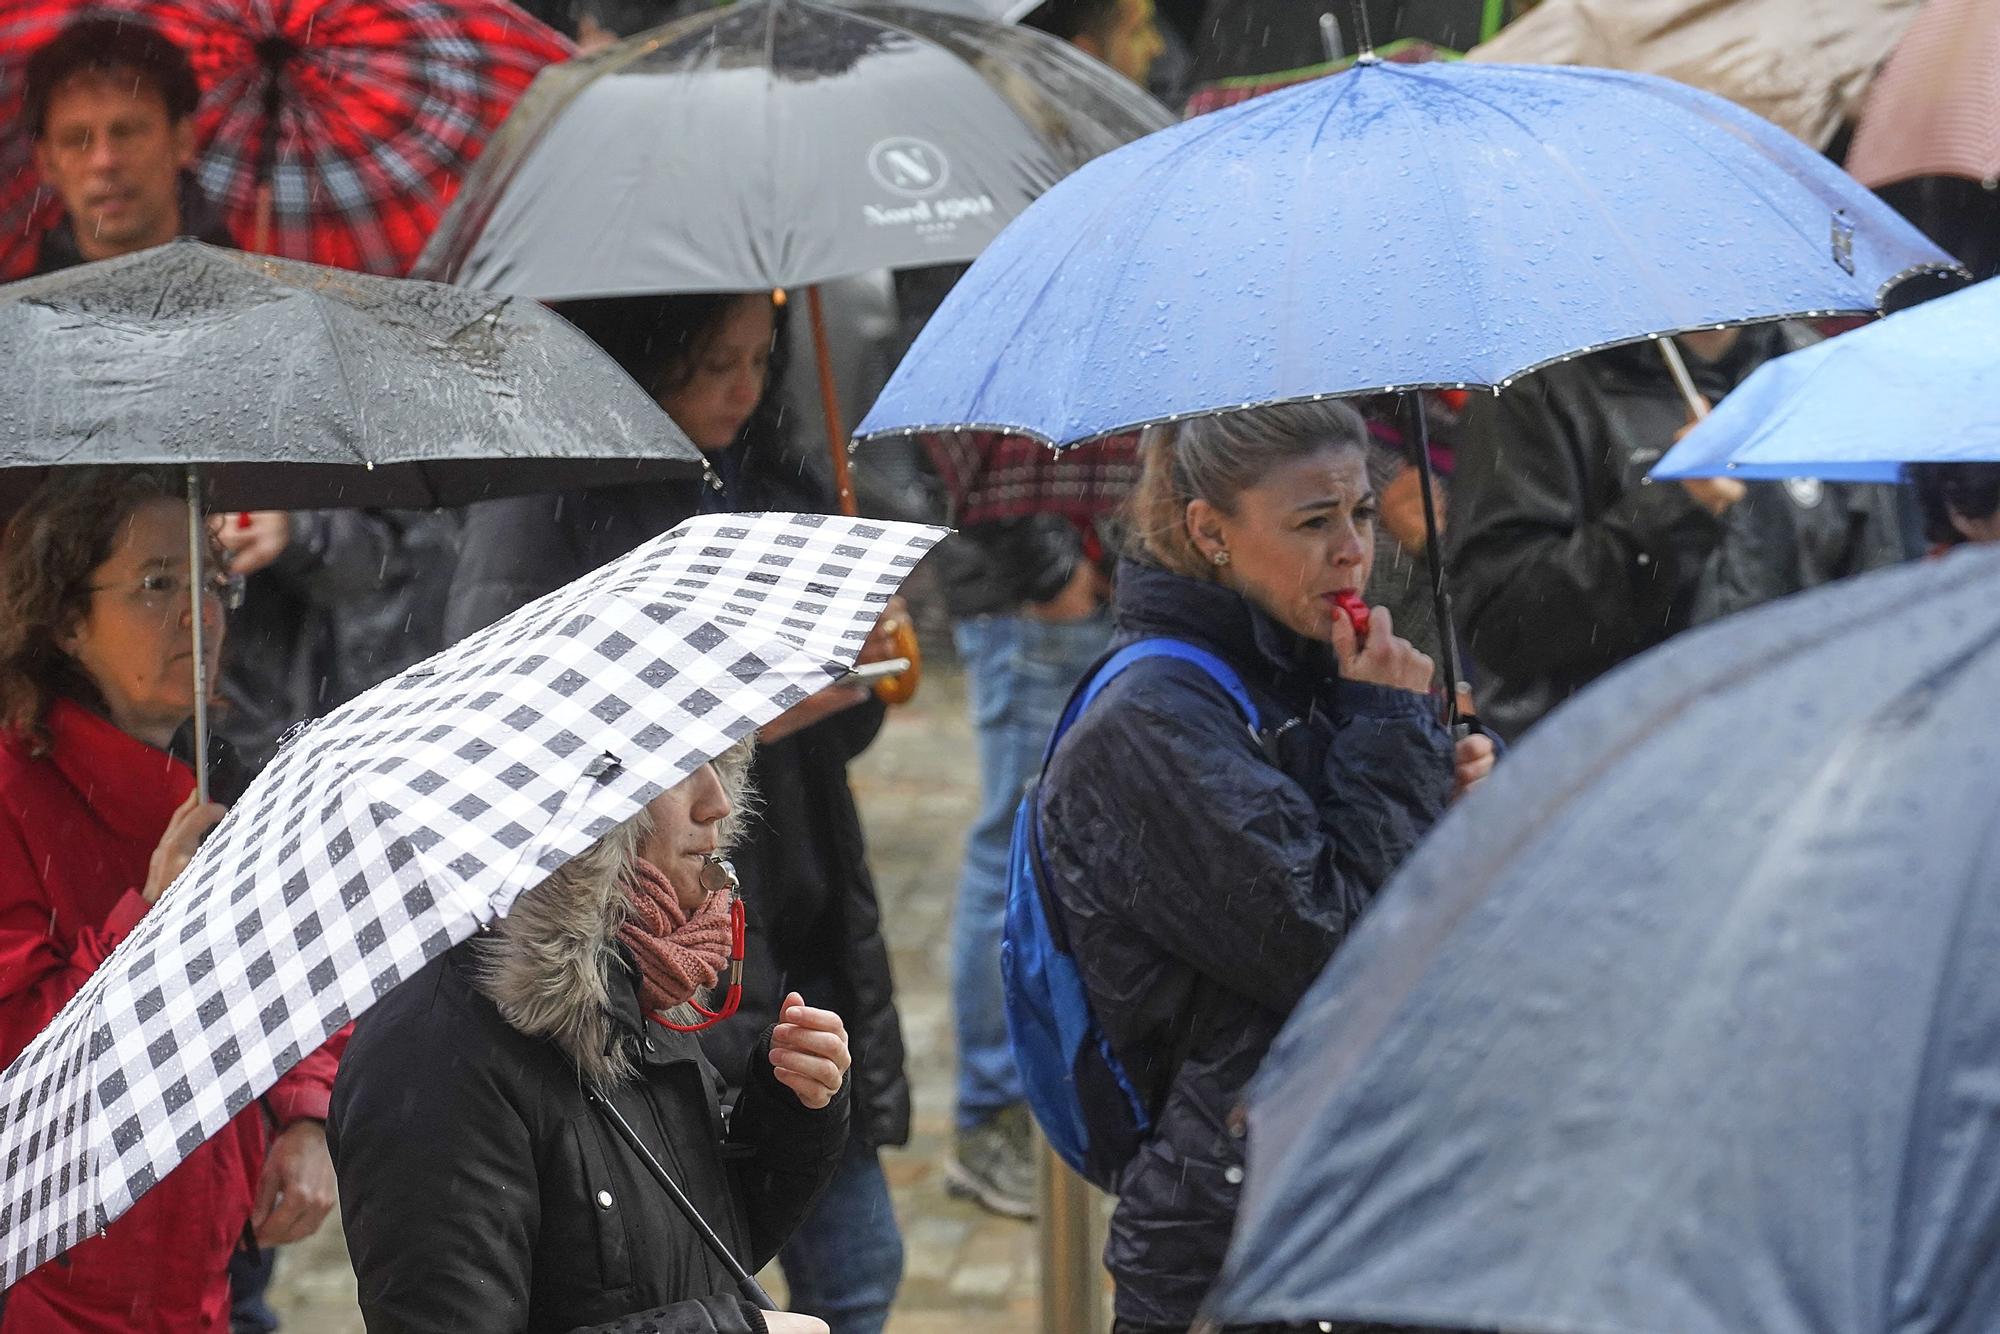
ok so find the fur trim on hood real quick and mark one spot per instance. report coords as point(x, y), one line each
point(550, 964)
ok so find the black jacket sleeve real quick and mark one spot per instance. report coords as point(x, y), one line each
point(512, 552)
point(1553, 560)
point(790, 1153)
point(440, 1241)
point(703, 1315)
point(1163, 814)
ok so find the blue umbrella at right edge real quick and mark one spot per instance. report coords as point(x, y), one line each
point(1922, 386)
point(1686, 1022)
point(1392, 228)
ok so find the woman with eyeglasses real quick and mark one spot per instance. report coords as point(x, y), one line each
point(97, 818)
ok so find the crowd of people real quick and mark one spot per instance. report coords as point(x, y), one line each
point(1204, 872)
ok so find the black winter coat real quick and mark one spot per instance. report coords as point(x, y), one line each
point(514, 550)
point(356, 596)
point(1566, 562)
point(1205, 877)
point(479, 1191)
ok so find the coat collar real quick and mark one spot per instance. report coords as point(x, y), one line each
point(133, 787)
point(1153, 601)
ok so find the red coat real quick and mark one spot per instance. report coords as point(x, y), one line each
point(77, 829)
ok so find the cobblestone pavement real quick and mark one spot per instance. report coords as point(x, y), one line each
point(968, 1272)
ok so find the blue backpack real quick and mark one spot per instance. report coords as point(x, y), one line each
point(1079, 1092)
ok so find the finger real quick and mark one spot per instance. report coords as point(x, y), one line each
point(1344, 647)
point(816, 1068)
point(813, 1095)
point(1381, 629)
point(270, 1182)
point(813, 1042)
point(805, 1016)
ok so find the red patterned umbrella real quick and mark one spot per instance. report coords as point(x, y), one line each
point(990, 477)
point(332, 130)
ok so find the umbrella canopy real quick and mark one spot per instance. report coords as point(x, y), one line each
point(1683, 1024)
point(351, 119)
point(1922, 386)
point(294, 386)
point(389, 830)
point(778, 143)
point(1393, 227)
point(1935, 110)
point(1802, 64)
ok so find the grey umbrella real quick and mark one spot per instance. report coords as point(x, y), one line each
point(778, 143)
point(281, 385)
point(1686, 1022)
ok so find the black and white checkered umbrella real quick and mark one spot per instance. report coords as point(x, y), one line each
point(394, 827)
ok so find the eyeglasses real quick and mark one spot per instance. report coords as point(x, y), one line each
point(161, 591)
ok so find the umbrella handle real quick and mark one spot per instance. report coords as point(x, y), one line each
point(753, 1291)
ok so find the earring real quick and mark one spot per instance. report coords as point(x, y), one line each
point(1220, 558)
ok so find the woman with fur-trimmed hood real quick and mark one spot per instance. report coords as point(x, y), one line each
point(478, 1188)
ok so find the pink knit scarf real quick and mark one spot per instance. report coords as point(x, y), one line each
point(677, 954)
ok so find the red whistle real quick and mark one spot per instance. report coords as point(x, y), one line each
point(1350, 602)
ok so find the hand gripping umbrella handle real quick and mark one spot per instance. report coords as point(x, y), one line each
point(753, 1291)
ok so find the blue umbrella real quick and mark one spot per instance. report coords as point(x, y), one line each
point(1922, 386)
point(1391, 227)
point(1687, 1022)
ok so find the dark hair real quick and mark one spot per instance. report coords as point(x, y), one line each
point(108, 44)
point(658, 341)
point(66, 529)
point(1969, 489)
point(1071, 19)
point(1216, 459)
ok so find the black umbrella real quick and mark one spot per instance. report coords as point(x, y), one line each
point(282, 385)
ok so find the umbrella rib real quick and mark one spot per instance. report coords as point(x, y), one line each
point(359, 447)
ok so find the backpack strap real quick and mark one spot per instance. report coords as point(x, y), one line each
point(1110, 667)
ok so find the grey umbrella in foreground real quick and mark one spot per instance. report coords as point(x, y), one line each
point(281, 385)
point(391, 829)
point(1687, 1022)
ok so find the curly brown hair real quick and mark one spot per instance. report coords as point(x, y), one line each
point(65, 530)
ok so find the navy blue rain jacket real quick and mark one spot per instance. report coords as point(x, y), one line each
point(1205, 877)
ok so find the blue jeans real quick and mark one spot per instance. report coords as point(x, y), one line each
point(845, 1262)
point(1020, 672)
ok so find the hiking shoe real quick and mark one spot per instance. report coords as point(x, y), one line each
point(993, 1164)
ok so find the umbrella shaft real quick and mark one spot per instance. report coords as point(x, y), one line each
point(752, 1290)
point(829, 402)
point(197, 589)
point(1671, 354)
point(1420, 442)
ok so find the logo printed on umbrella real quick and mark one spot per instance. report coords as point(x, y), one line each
point(913, 168)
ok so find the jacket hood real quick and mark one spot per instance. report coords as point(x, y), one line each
point(553, 965)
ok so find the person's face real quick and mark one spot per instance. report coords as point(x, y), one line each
point(1131, 44)
point(721, 389)
point(687, 820)
point(135, 640)
point(1305, 532)
point(113, 156)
